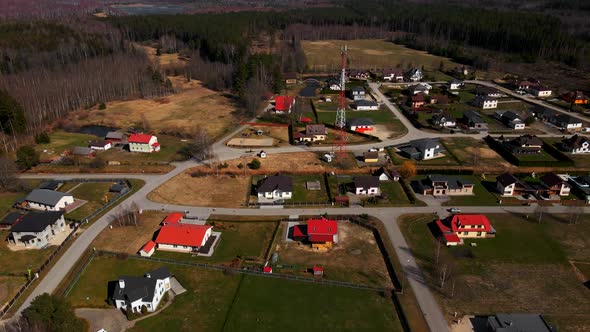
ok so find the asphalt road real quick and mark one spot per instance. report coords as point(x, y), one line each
point(428, 305)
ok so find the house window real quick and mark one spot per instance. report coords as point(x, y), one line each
point(465, 233)
point(478, 233)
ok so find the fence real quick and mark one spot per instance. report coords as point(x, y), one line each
point(77, 225)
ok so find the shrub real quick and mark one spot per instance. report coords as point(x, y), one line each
point(97, 163)
point(26, 157)
point(42, 138)
point(102, 106)
point(254, 164)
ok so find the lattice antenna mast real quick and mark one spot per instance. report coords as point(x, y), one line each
point(341, 111)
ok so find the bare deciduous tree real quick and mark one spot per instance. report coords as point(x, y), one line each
point(8, 171)
point(200, 147)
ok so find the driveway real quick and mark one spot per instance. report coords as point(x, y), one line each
point(112, 320)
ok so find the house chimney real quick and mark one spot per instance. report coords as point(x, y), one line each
point(121, 283)
point(147, 275)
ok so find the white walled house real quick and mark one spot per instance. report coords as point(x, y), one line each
point(37, 229)
point(576, 145)
point(508, 185)
point(100, 145)
point(365, 105)
point(132, 293)
point(143, 143)
point(367, 185)
point(539, 91)
point(456, 84)
point(486, 102)
point(48, 200)
point(275, 187)
point(566, 122)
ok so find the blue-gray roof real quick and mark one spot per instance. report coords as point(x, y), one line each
point(45, 196)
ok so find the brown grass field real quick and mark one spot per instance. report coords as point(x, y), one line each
point(356, 258)
point(164, 59)
point(193, 105)
point(368, 53)
point(129, 239)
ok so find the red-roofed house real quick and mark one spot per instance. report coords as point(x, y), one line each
point(322, 233)
point(267, 269)
point(143, 143)
point(173, 218)
point(183, 237)
point(465, 226)
point(148, 249)
point(318, 271)
point(283, 104)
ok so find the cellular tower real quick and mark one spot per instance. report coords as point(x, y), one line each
point(341, 111)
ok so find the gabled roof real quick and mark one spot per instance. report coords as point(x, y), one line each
point(275, 182)
point(424, 144)
point(173, 218)
point(115, 135)
point(361, 122)
point(82, 151)
point(575, 141)
point(417, 98)
point(182, 234)
point(552, 179)
point(284, 103)
point(50, 185)
point(511, 116)
point(527, 140)
point(36, 221)
point(99, 143)
point(12, 218)
point(371, 155)
point(365, 103)
point(140, 138)
point(149, 246)
point(382, 170)
point(322, 226)
point(507, 179)
point(45, 196)
point(518, 323)
point(566, 119)
point(485, 98)
point(443, 115)
point(139, 288)
point(452, 181)
point(460, 220)
point(393, 71)
point(315, 129)
point(366, 182)
point(357, 88)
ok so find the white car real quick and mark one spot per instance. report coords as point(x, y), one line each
point(454, 210)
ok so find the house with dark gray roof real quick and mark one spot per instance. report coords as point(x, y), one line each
point(566, 122)
point(132, 293)
point(367, 185)
point(357, 92)
point(508, 185)
point(10, 219)
point(525, 144)
point(37, 229)
point(421, 149)
point(438, 185)
point(518, 323)
point(276, 187)
point(50, 185)
point(365, 105)
point(576, 144)
point(474, 120)
point(47, 200)
point(361, 124)
point(83, 151)
point(510, 119)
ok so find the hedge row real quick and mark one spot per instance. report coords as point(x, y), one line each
point(502, 150)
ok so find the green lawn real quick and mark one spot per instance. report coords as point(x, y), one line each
point(483, 190)
point(542, 156)
point(218, 302)
point(67, 186)
point(62, 141)
point(300, 192)
point(7, 200)
point(169, 151)
point(468, 151)
point(580, 160)
point(395, 193)
point(526, 259)
point(17, 262)
point(92, 192)
point(446, 160)
point(465, 96)
point(248, 240)
point(264, 304)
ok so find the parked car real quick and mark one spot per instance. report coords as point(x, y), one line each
point(454, 210)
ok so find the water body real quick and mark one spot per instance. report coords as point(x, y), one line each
point(100, 131)
point(143, 9)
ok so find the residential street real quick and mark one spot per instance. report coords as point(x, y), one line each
point(434, 316)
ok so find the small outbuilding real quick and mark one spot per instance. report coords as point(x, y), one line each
point(318, 271)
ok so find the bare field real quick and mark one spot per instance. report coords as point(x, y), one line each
point(351, 259)
point(129, 239)
point(368, 53)
point(164, 59)
point(181, 112)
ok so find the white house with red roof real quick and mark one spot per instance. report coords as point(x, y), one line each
point(283, 104)
point(183, 237)
point(173, 218)
point(143, 143)
point(462, 226)
point(148, 249)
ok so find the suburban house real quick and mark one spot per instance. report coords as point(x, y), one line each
point(283, 104)
point(275, 187)
point(48, 200)
point(143, 143)
point(518, 323)
point(115, 137)
point(508, 185)
point(556, 185)
point(173, 218)
point(36, 229)
point(133, 293)
point(510, 119)
point(420, 88)
point(539, 91)
point(322, 233)
point(439, 99)
point(455, 84)
point(101, 145)
point(393, 75)
point(525, 85)
point(183, 237)
point(474, 120)
point(566, 122)
point(83, 151)
point(438, 185)
point(357, 92)
point(361, 125)
point(334, 83)
point(313, 133)
point(582, 185)
point(359, 74)
point(575, 97)
point(525, 144)
point(461, 71)
point(365, 105)
point(422, 149)
point(290, 78)
point(465, 226)
point(485, 102)
point(371, 157)
point(50, 184)
point(488, 92)
point(543, 113)
point(386, 175)
point(366, 185)
point(417, 101)
point(576, 144)
point(443, 119)
point(414, 75)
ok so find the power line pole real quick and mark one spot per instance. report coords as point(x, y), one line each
point(341, 111)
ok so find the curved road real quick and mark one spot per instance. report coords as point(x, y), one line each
point(428, 304)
